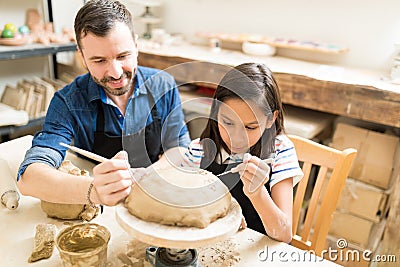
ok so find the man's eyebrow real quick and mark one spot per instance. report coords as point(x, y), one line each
point(103, 57)
point(96, 57)
point(125, 52)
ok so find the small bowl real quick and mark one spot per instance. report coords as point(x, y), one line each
point(258, 49)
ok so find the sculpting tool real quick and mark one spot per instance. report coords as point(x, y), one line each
point(85, 153)
point(233, 170)
point(255, 182)
point(91, 155)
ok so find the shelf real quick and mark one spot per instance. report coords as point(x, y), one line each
point(6, 131)
point(30, 50)
point(276, 42)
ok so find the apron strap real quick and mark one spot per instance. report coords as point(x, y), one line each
point(100, 117)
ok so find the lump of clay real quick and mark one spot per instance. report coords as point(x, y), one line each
point(70, 211)
point(62, 211)
point(43, 242)
point(174, 196)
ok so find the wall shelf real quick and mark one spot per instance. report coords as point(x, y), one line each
point(31, 50)
point(12, 52)
point(7, 131)
point(276, 42)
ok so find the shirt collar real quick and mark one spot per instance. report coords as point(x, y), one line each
point(224, 155)
point(227, 158)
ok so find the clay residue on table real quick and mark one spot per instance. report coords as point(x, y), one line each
point(133, 255)
point(224, 253)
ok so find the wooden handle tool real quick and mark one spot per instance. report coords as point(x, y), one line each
point(85, 153)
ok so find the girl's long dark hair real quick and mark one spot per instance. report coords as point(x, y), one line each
point(250, 82)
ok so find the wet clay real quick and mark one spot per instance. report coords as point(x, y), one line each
point(70, 211)
point(174, 196)
point(83, 245)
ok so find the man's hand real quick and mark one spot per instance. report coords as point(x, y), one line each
point(112, 180)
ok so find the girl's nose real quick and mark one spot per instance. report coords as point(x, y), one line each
point(239, 136)
point(115, 69)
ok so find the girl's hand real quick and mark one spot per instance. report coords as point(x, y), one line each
point(112, 180)
point(254, 173)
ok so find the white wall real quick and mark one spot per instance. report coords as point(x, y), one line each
point(64, 13)
point(369, 28)
point(14, 11)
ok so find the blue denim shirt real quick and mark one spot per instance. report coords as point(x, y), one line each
point(72, 115)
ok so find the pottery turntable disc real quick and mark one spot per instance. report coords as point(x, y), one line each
point(176, 244)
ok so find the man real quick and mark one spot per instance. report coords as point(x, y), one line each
point(116, 98)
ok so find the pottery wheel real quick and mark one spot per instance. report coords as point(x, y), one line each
point(178, 236)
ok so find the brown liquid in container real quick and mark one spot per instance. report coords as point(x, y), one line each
point(83, 245)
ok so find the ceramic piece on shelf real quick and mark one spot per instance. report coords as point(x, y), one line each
point(258, 49)
point(14, 41)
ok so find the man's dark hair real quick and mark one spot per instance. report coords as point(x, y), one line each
point(99, 17)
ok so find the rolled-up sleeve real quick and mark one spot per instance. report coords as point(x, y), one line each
point(44, 155)
point(46, 146)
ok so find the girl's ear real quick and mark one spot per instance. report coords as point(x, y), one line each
point(271, 122)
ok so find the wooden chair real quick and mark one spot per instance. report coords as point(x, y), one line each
point(333, 162)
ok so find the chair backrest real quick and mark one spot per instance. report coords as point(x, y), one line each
point(333, 163)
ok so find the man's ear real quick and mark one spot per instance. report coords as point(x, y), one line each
point(81, 58)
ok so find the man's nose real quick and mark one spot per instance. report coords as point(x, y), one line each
point(115, 69)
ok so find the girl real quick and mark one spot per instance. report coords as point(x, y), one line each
point(244, 129)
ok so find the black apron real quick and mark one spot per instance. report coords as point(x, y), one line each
point(235, 185)
point(143, 147)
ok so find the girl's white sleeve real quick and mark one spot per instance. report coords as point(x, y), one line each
point(193, 155)
point(286, 164)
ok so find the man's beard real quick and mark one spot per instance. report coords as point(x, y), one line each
point(115, 91)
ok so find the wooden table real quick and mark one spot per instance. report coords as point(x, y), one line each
point(244, 248)
point(354, 93)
